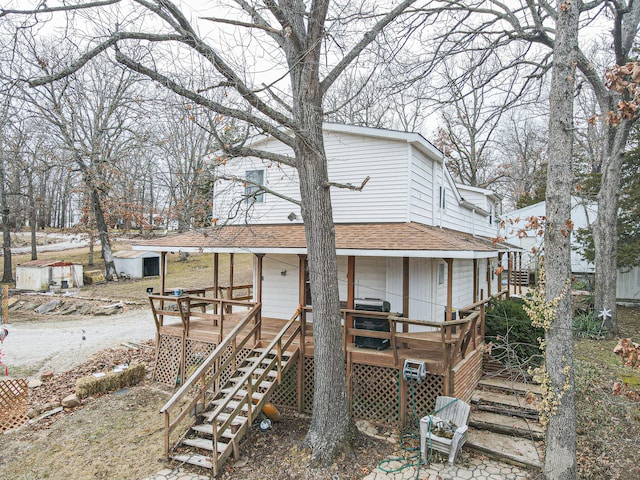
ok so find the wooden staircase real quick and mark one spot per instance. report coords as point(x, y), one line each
point(226, 394)
point(229, 415)
point(504, 422)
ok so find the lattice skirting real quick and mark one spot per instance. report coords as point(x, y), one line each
point(13, 403)
point(168, 360)
point(375, 393)
point(286, 394)
point(196, 352)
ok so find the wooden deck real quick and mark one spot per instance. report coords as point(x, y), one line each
point(190, 328)
point(211, 320)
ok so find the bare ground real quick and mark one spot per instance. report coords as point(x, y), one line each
point(119, 436)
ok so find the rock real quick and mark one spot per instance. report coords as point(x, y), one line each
point(70, 401)
point(35, 383)
point(33, 413)
point(48, 307)
point(109, 309)
point(242, 462)
point(46, 375)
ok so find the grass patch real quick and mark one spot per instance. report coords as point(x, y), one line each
point(608, 425)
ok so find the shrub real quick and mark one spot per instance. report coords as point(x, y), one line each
point(586, 325)
point(508, 328)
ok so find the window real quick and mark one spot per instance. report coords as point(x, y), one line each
point(491, 214)
point(443, 198)
point(252, 192)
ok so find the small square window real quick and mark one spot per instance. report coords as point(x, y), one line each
point(252, 191)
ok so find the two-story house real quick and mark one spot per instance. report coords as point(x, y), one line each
point(411, 237)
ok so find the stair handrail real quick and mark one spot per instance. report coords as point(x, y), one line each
point(248, 377)
point(203, 369)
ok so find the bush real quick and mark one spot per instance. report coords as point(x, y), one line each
point(508, 328)
point(586, 325)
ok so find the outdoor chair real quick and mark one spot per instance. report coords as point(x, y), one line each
point(446, 429)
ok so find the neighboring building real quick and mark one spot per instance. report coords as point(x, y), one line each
point(583, 214)
point(42, 275)
point(136, 264)
point(408, 230)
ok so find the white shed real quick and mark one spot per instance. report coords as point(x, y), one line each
point(137, 264)
point(39, 275)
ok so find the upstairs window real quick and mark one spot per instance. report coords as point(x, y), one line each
point(254, 180)
point(491, 214)
point(443, 198)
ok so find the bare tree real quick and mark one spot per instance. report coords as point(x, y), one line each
point(522, 149)
point(306, 44)
point(560, 442)
point(92, 115)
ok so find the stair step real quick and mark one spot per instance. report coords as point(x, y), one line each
point(207, 429)
point(260, 371)
point(509, 386)
point(265, 384)
point(204, 443)
point(193, 459)
point(223, 417)
point(505, 404)
point(286, 353)
point(508, 425)
point(265, 361)
point(514, 450)
point(231, 405)
point(243, 393)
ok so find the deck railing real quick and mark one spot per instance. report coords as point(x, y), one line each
point(207, 375)
point(195, 307)
point(456, 338)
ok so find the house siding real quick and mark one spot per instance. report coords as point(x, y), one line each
point(350, 158)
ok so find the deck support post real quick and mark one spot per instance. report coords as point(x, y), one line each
point(509, 273)
point(302, 278)
point(405, 292)
point(258, 292)
point(230, 294)
point(500, 254)
point(216, 279)
point(475, 280)
point(520, 272)
point(448, 384)
point(351, 294)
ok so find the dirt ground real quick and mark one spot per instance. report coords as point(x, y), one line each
point(119, 435)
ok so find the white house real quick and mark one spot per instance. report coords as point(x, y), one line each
point(583, 214)
point(411, 236)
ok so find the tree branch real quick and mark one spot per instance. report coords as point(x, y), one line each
point(366, 40)
point(103, 3)
point(348, 186)
point(205, 102)
point(261, 188)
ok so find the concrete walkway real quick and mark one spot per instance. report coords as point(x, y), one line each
point(475, 468)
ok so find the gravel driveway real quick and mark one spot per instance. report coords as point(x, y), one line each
point(59, 345)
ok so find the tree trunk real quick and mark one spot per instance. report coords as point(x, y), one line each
point(605, 227)
point(7, 273)
point(330, 424)
point(560, 455)
point(103, 234)
point(32, 217)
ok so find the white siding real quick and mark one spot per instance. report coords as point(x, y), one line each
point(279, 292)
point(421, 301)
point(351, 159)
point(422, 187)
point(628, 286)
